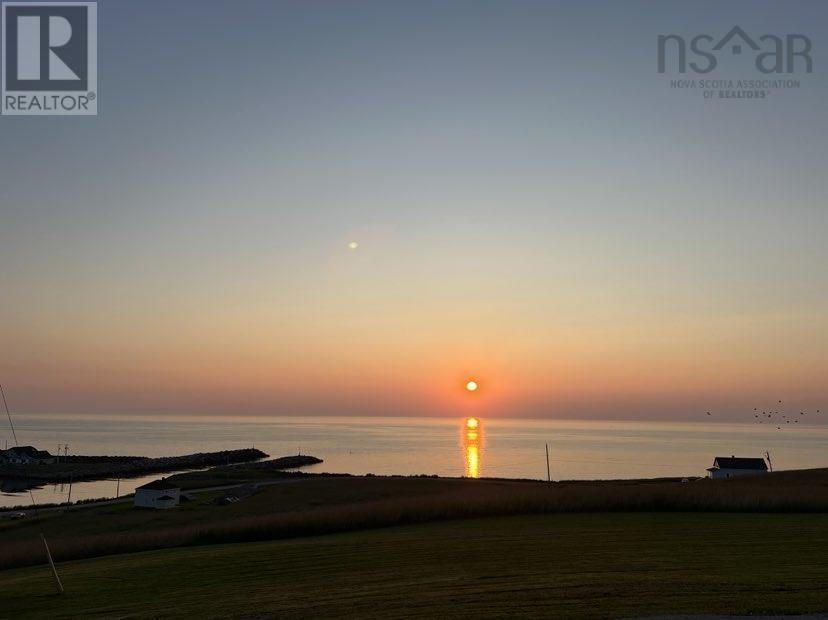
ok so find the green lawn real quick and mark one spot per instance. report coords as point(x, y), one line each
point(587, 565)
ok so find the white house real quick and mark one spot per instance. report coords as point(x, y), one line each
point(158, 494)
point(731, 466)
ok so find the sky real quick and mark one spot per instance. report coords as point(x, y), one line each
point(535, 208)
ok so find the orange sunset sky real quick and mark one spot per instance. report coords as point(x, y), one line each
point(559, 226)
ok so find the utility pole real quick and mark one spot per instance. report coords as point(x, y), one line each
point(548, 475)
point(69, 499)
point(118, 489)
point(8, 414)
point(58, 584)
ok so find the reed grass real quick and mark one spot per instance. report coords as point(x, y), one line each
point(786, 492)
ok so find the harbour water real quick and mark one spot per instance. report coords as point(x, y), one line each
point(506, 448)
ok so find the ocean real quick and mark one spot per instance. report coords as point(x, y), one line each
point(506, 448)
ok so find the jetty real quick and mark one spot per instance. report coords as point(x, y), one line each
point(78, 468)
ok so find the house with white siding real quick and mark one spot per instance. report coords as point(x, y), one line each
point(158, 494)
point(732, 466)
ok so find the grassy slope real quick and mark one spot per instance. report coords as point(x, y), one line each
point(319, 505)
point(288, 496)
point(588, 565)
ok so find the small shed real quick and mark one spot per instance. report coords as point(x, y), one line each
point(158, 494)
point(731, 466)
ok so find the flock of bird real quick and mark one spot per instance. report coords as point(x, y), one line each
point(777, 417)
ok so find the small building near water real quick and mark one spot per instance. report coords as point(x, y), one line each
point(158, 494)
point(25, 455)
point(732, 466)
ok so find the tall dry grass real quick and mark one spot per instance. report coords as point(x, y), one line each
point(801, 492)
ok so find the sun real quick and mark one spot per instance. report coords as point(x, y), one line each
point(472, 424)
point(471, 386)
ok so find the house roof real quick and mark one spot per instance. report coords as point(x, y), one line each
point(738, 462)
point(159, 485)
point(29, 451)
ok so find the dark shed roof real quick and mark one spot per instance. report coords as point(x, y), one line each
point(738, 462)
point(159, 485)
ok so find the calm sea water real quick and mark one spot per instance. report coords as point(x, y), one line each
point(498, 448)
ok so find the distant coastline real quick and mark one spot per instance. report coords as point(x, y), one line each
point(77, 468)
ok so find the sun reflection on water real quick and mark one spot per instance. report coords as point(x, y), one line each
point(471, 439)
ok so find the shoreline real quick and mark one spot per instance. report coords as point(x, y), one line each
point(91, 468)
point(264, 473)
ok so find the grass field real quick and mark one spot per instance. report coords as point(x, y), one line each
point(97, 530)
point(561, 565)
point(318, 505)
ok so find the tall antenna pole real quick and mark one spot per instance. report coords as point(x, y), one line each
point(8, 413)
point(548, 475)
point(58, 584)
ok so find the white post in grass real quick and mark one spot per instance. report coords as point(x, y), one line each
point(58, 584)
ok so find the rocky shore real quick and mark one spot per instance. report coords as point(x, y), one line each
point(102, 467)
